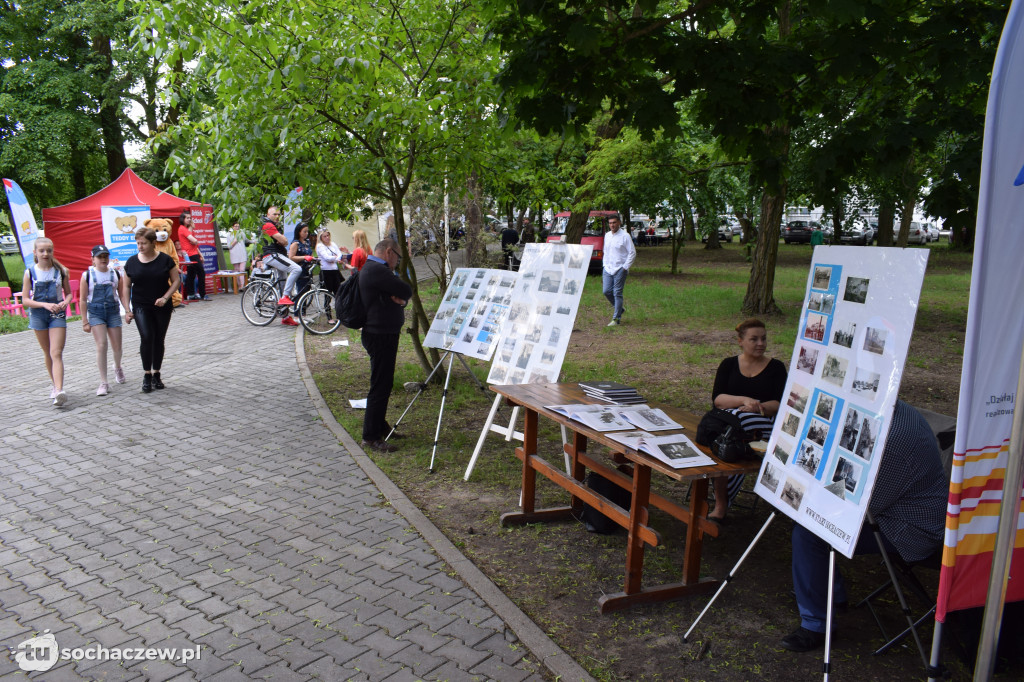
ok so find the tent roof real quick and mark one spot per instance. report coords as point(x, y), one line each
point(127, 190)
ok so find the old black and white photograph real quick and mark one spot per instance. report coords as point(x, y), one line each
point(483, 347)
point(452, 294)
point(480, 309)
point(505, 282)
point(868, 435)
point(851, 429)
point(844, 335)
point(826, 403)
point(814, 301)
point(547, 357)
point(828, 304)
point(856, 289)
point(516, 377)
point(793, 493)
point(539, 377)
point(781, 453)
point(550, 281)
point(817, 431)
point(808, 457)
point(558, 256)
point(834, 369)
point(497, 374)
point(506, 355)
point(770, 478)
point(791, 424)
point(474, 286)
point(464, 308)
point(524, 356)
point(467, 337)
point(797, 399)
point(814, 330)
point(564, 310)
point(576, 261)
point(535, 333)
point(553, 337)
point(471, 296)
point(678, 450)
point(865, 383)
point(849, 472)
point(510, 343)
point(874, 340)
point(544, 309)
point(571, 287)
point(807, 361)
point(474, 322)
point(460, 279)
point(822, 277)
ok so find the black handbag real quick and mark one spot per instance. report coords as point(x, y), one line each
point(730, 448)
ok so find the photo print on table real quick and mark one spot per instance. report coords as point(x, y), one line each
point(817, 431)
point(808, 457)
point(793, 493)
point(826, 403)
point(834, 369)
point(771, 477)
point(798, 396)
point(807, 361)
point(791, 424)
point(844, 335)
point(851, 429)
point(550, 281)
point(874, 340)
point(781, 453)
point(814, 330)
point(849, 472)
point(865, 383)
point(822, 277)
point(856, 289)
point(869, 429)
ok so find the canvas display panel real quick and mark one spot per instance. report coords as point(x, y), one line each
point(472, 311)
point(544, 303)
point(844, 377)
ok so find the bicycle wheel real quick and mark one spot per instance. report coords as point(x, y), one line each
point(259, 303)
point(316, 312)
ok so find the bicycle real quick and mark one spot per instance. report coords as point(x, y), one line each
point(260, 296)
point(315, 308)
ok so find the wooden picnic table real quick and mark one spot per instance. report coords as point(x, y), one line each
point(533, 398)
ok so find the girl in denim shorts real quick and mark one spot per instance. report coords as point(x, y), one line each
point(103, 313)
point(46, 293)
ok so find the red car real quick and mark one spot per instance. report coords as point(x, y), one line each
point(593, 234)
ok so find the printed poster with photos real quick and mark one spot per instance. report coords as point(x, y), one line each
point(844, 377)
point(535, 336)
point(472, 311)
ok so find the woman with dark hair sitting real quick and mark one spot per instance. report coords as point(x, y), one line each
point(750, 385)
point(301, 251)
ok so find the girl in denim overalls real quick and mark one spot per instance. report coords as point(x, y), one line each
point(46, 293)
point(103, 313)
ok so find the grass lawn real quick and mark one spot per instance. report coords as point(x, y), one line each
point(675, 331)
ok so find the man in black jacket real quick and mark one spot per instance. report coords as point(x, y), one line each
point(384, 296)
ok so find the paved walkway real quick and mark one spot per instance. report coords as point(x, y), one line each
point(227, 512)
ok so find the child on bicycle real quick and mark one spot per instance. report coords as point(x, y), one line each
point(103, 313)
point(46, 293)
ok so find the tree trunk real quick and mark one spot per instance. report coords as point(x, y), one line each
point(760, 298)
point(577, 223)
point(420, 323)
point(886, 215)
point(110, 120)
point(908, 204)
point(476, 248)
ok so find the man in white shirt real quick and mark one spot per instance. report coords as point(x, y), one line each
point(619, 254)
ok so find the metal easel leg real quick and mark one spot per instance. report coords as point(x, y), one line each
point(725, 581)
point(483, 436)
point(827, 663)
point(423, 387)
point(440, 413)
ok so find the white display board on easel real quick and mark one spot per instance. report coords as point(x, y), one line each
point(535, 336)
point(472, 312)
point(844, 377)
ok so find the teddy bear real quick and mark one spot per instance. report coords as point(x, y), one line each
point(165, 245)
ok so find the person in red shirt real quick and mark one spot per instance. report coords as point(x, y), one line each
point(195, 275)
point(275, 255)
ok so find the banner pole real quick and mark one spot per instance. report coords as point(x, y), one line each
point(1009, 511)
point(933, 667)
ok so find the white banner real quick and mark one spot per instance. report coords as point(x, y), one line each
point(24, 227)
point(472, 311)
point(843, 381)
point(545, 300)
point(119, 226)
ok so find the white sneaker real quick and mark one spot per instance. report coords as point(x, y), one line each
point(103, 389)
point(60, 398)
point(119, 375)
point(613, 323)
point(53, 392)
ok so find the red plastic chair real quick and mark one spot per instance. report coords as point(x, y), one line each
point(9, 304)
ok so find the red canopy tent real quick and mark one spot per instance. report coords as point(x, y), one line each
point(76, 227)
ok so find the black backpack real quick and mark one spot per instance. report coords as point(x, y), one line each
point(722, 431)
point(348, 304)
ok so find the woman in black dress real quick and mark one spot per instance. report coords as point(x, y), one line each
point(301, 251)
point(150, 280)
point(750, 385)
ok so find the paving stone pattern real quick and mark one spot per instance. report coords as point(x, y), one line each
point(219, 512)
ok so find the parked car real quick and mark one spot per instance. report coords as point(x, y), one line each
point(8, 244)
point(733, 223)
point(724, 233)
point(799, 231)
point(918, 232)
point(933, 232)
point(858, 233)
